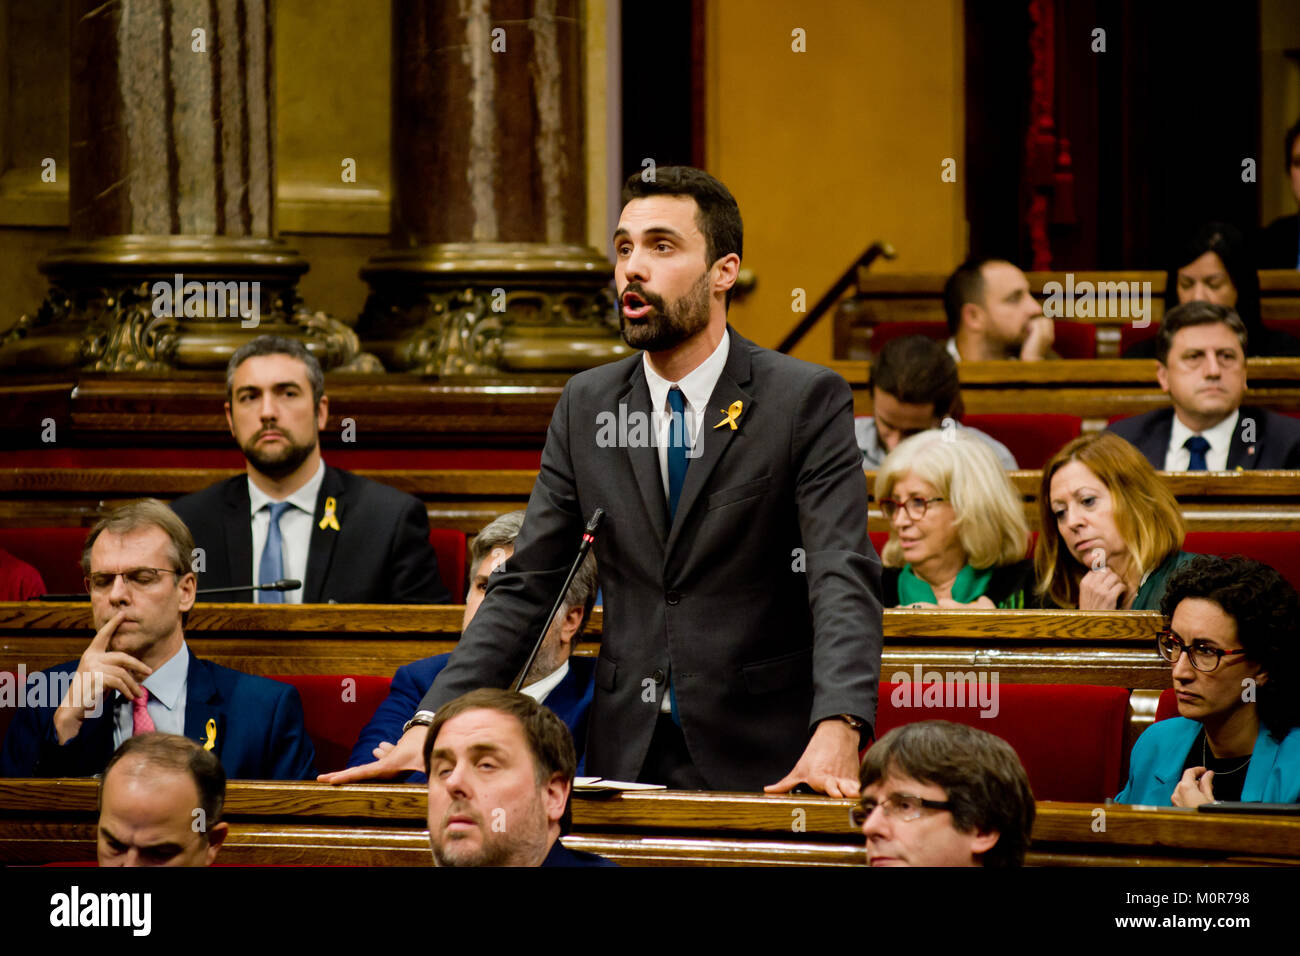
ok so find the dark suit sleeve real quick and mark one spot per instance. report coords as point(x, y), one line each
point(32, 748)
point(494, 647)
point(843, 570)
point(412, 565)
point(292, 756)
point(386, 726)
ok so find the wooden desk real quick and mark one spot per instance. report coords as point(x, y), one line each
point(384, 824)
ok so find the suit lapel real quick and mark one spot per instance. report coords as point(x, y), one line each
point(205, 718)
point(712, 441)
point(238, 525)
point(323, 540)
point(1240, 454)
point(644, 456)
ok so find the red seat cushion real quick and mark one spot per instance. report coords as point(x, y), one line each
point(1129, 336)
point(1280, 550)
point(1070, 737)
point(886, 332)
point(55, 552)
point(1033, 439)
point(449, 546)
point(337, 711)
point(1168, 706)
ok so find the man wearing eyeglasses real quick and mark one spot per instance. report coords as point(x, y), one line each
point(1201, 364)
point(1231, 641)
point(935, 793)
point(138, 675)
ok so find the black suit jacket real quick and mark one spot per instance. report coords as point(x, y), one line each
point(1276, 444)
point(258, 730)
point(380, 554)
point(761, 599)
point(1279, 244)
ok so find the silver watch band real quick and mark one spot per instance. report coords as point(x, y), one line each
point(423, 718)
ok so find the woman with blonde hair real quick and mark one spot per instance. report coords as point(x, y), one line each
point(957, 530)
point(1111, 531)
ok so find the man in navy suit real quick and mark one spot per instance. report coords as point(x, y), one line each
point(138, 675)
point(500, 769)
point(1201, 356)
point(348, 539)
point(562, 682)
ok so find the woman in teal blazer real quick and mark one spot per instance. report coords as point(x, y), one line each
point(1235, 666)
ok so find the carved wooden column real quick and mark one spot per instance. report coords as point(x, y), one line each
point(489, 269)
point(171, 260)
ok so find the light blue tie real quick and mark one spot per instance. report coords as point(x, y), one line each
point(271, 568)
point(1197, 446)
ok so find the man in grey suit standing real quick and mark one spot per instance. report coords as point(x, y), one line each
point(742, 633)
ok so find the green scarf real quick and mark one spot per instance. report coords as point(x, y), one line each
point(969, 586)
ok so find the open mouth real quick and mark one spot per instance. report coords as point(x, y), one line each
point(634, 306)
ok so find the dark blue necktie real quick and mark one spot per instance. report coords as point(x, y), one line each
point(1198, 446)
point(271, 568)
point(677, 460)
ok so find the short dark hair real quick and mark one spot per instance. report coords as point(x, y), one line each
point(718, 216)
point(966, 284)
point(917, 370)
point(1265, 608)
point(548, 738)
point(180, 755)
point(981, 774)
point(277, 345)
point(1292, 135)
point(1196, 313)
point(144, 513)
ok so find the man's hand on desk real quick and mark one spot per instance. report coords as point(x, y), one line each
point(829, 763)
point(406, 754)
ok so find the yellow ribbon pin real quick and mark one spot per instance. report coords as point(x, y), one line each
point(330, 520)
point(732, 414)
point(211, 731)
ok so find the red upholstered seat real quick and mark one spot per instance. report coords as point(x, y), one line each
point(1168, 706)
point(449, 546)
point(337, 711)
point(1074, 340)
point(1280, 550)
point(1128, 335)
point(1033, 439)
point(55, 552)
point(1070, 737)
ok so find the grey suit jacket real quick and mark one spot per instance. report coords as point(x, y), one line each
point(1276, 438)
point(762, 598)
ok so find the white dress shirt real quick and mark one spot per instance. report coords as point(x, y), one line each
point(697, 388)
point(166, 704)
point(1177, 458)
point(295, 530)
point(538, 691)
point(951, 348)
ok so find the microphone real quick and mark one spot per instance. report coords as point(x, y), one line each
point(588, 537)
point(284, 584)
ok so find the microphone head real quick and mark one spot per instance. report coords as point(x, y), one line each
point(597, 517)
point(285, 584)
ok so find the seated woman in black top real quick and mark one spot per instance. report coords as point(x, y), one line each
point(957, 534)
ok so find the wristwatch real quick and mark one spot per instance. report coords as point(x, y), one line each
point(422, 718)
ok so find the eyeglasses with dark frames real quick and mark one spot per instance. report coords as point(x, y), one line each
point(900, 806)
point(136, 578)
point(1203, 657)
point(914, 506)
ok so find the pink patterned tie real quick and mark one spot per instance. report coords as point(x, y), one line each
point(141, 722)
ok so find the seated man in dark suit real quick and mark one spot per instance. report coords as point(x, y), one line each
point(160, 804)
point(138, 674)
point(1279, 246)
point(1201, 356)
point(500, 769)
point(561, 682)
point(348, 539)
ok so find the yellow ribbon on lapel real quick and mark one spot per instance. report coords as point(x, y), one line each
point(211, 731)
point(331, 519)
point(732, 414)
